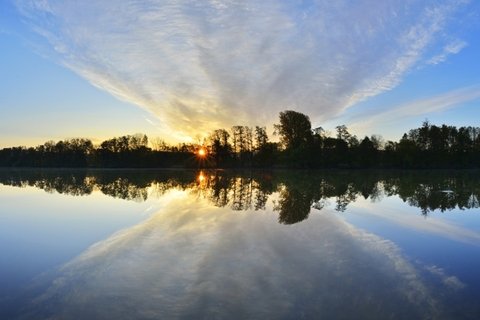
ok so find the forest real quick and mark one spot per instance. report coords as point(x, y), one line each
point(299, 146)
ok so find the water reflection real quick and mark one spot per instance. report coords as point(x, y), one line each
point(193, 258)
point(298, 192)
point(192, 261)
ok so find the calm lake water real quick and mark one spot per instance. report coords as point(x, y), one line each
point(239, 245)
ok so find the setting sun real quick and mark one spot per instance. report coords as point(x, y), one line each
point(202, 152)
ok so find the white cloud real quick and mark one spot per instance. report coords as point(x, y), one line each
point(418, 107)
point(199, 65)
point(450, 49)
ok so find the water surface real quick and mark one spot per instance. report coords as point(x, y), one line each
point(223, 244)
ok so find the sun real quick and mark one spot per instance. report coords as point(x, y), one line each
point(202, 152)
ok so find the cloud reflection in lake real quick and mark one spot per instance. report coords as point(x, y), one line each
point(194, 260)
point(269, 245)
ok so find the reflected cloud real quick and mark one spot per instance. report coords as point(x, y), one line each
point(450, 281)
point(194, 260)
point(199, 66)
point(436, 226)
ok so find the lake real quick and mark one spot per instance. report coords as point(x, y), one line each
point(151, 244)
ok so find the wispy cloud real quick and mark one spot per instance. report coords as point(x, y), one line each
point(198, 65)
point(450, 49)
point(419, 107)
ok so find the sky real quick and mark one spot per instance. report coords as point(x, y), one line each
point(178, 69)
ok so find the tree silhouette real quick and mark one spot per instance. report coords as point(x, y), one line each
point(429, 146)
point(294, 129)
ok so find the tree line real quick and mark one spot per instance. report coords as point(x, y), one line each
point(299, 146)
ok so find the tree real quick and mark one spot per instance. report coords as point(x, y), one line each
point(378, 141)
point(406, 151)
point(343, 134)
point(159, 144)
point(295, 129)
point(265, 152)
point(220, 147)
point(367, 152)
point(261, 137)
point(242, 139)
point(242, 143)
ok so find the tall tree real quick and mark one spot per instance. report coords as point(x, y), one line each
point(220, 146)
point(295, 129)
point(261, 137)
point(343, 134)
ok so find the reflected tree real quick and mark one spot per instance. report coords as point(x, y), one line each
point(293, 206)
point(297, 192)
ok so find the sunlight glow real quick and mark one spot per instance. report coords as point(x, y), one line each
point(202, 152)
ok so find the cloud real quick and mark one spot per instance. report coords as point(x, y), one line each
point(450, 49)
point(418, 107)
point(199, 65)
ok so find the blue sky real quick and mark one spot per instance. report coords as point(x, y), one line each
point(178, 69)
